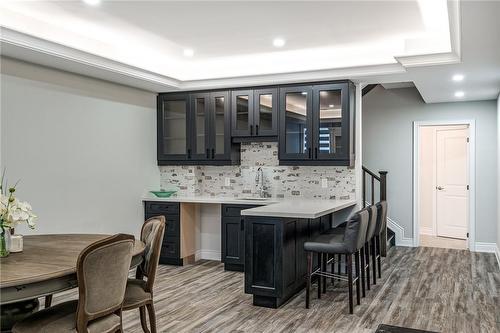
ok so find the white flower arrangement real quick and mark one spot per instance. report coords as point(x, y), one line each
point(12, 211)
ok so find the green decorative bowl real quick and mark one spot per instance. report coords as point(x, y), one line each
point(163, 194)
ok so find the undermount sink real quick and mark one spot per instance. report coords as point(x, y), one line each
point(254, 199)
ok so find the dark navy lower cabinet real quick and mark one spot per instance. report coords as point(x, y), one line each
point(233, 237)
point(275, 260)
point(170, 250)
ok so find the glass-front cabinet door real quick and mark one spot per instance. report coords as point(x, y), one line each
point(173, 131)
point(295, 123)
point(331, 122)
point(220, 147)
point(266, 112)
point(242, 109)
point(200, 138)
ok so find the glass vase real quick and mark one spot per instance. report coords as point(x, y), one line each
point(4, 242)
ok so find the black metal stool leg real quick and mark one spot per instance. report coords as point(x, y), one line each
point(308, 278)
point(324, 269)
point(356, 264)
point(367, 264)
point(349, 281)
point(379, 259)
point(320, 264)
point(374, 261)
point(362, 255)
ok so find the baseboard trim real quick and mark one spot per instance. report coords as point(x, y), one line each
point(401, 240)
point(489, 248)
point(208, 255)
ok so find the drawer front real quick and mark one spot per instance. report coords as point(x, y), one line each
point(234, 210)
point(162, 208)
point(172, 228)
point(170, 247)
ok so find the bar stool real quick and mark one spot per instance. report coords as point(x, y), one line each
point(348, 243)
point(381, 225)
point(365, 251)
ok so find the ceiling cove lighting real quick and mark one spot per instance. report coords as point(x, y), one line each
point(459, 94)
point(279, 42)
point(92, 2)
point(188, 52)
point(458, 77)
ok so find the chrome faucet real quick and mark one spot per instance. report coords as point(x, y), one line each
point(259, 180)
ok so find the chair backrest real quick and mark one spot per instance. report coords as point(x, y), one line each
point(102, 272)
point(372, 222)
point(381, 216)
point(152, 236)
point(355, 231)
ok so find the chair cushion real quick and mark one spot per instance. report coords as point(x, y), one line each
point(136, 294)
point(61, 318)
point(338, 230)
point(327, 243)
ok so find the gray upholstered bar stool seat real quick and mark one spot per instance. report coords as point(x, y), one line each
point(347, 244)
point(139, 292)
point(102, 270)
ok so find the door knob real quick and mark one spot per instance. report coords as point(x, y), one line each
point(439, 188)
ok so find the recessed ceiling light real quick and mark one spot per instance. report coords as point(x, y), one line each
point(92, 2)
point(459, 94)
point(278, 42)
point(458, 77)
point(331, 106)
point(304, 93)
point(188, 52)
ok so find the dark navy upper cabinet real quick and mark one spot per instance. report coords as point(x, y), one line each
point(195, 128)
point(254, 114)
point(317, 124)
point(173, 125)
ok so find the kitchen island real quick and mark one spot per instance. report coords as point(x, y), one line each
point(263, 238)
point(275, 260)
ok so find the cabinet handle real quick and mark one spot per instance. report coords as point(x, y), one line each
point(309, 152)
point(251, 129)
point(208, 153)
point(316, 153)
point(213, 153)
point(189, 153)
point(256, 129)
point(242, 224)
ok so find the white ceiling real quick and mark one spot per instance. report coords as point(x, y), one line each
point(141, 43)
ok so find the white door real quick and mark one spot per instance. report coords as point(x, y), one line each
point(452, 195)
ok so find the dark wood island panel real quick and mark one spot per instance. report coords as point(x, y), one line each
point(275, 260)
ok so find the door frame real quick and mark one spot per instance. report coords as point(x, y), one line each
point(472, 175)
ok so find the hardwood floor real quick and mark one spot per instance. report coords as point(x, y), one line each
point(434, 289)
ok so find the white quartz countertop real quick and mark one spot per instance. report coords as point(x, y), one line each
point(294, 208)
point(209, 199)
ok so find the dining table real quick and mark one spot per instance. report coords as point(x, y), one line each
point(46, 266)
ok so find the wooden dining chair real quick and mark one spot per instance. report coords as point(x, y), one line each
point(102, 271)
point(139, 292)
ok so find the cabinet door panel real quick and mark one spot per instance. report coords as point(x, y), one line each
point(266, 112)
point(295, 123)
point(200, 126)
point(233, 243)
point(331, 122)
point(220, 148)
point(173, 127)
point(242, 113)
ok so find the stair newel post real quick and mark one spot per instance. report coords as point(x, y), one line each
point(383, 196)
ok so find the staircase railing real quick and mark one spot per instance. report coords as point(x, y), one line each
point(381, 178)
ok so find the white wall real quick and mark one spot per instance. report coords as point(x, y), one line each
point(388, 117)
point(498, 190)
point(426, 181)
point(84, 149)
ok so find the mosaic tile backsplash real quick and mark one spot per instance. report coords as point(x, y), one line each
point(279, 181)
